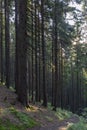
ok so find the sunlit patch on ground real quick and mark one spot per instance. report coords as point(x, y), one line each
point(62, 128)
point(1, 111)
point(32, 108)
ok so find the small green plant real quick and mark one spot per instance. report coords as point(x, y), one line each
point(49, 118)
point(63, 114)
point(12, 88)
point(84, 113)
point(49, 106)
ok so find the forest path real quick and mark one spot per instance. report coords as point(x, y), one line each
point(63, 125)
point(47, 118)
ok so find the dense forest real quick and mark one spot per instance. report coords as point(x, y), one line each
point(43, 51)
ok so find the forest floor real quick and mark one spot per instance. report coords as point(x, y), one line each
point(46, 118)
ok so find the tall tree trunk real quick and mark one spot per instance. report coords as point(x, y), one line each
point(53, 76)
point(17, 45)
point(1, 43)
point(23, 93)
point(32, 36)
point(39, 58)
point(43, 56)
point(7, 43)
point(56, 58)
point(36, 63)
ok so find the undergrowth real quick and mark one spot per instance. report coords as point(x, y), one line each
point(81, 125)
point(7, 125)
point(78, 126)
point(26, 121)
point(63, 114)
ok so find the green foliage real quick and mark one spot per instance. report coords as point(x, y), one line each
point(26, 121)
point(84, 113)
point(78, 126)
point(49, 106)
point(12, 88)
point(7, 125)
point(63, 114)
point(81, 125)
